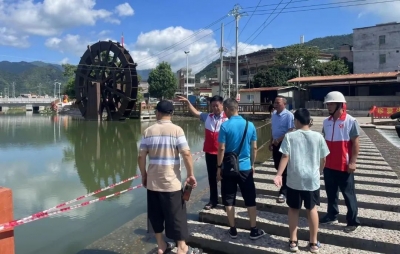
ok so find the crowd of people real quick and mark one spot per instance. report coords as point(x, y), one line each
point(300, 157)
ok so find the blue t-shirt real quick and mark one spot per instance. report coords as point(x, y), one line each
point(231, 133)
point(281, 123)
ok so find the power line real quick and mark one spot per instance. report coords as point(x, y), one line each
point(297, 1)
point(333, 7)
point(249, 18)
point(268, 23)
point(147, 62)
point(264, 21)
point(189, 37)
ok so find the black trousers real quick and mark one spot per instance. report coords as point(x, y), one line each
point(335, 180)
point(211, 162)
point(276, 155)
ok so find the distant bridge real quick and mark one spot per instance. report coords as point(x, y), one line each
point(29, 103)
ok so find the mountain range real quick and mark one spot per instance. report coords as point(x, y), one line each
point(39, 77)
point(35, 77)
point(328, 44)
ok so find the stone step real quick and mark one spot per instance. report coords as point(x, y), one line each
point(374, 190)
point(394, 183)
point(383, 203)
point(358, 173)
point(370, 157)
point(215, 238)
point(368, 217)
point(366, 238)
point(373, 155)
point(360, 162)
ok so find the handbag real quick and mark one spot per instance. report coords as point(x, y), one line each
point(230, 163)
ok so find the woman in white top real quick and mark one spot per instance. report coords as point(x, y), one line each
point(304, 153)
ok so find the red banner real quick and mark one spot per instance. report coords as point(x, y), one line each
point(384, 112)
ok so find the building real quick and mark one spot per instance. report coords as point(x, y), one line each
point(266, 95)
point(181, 75)
point(362, 91)
point(346, 51)
point(376, 48)
point(250, 64)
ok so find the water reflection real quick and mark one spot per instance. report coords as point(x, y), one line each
point(47, 160)
point(105, 153)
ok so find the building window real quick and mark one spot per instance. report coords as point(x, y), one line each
point(382, 39)
point(250, 97)
point(382, 58)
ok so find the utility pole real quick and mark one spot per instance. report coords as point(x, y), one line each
point(13, 89)
point(237, 15)
point(187, 73)
point(40, 89)
point(221, 52)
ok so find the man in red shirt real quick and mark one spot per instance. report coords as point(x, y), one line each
point(212, 124)
point(341, 132)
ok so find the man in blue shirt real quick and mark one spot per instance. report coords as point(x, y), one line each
point(282, 122)
point(230, 136)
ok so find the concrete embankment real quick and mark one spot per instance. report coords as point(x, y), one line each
point(378, 192)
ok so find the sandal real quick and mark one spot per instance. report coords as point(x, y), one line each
point(170, 247)
point(209, 206)
point(295, 247)
point(281, 199)
point(314, 247)
point(194, 250)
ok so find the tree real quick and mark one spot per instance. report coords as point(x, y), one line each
point(162, 81)
point(334, 67)
point(69, 73)
point(273, 76)
point(298, 56)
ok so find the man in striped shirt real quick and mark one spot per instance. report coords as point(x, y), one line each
point(164, 142)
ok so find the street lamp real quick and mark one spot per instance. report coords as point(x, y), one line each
point(187, 73)
point(59, 90)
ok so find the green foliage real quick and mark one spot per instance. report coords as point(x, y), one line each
point(328, 42)
point(334, 67)
point(210, 71)
point(69, 74)
point(298, 56)
point(162, 81)
point(29, 77)
point(322, 43)
point(273, 76)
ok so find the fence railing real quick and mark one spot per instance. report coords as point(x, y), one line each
point(243, 107)
point(355, 105)
point(26, 100)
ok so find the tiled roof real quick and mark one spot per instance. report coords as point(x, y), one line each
point(361, 76)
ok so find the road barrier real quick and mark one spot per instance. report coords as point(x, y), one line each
point(382, 112)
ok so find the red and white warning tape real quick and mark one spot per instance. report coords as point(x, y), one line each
point(58, 208)
point(43, 215)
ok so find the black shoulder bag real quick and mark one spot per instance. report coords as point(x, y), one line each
point(230, 164)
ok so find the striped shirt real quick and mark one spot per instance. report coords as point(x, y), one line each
point(163, 142)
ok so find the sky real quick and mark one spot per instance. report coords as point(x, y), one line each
point(58, 31)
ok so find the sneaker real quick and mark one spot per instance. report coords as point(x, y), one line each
point(351, 229)
point(327, 220)
point(281, 199)
point(256, 233)
point(233, 232)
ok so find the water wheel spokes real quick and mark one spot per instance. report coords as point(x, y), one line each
point(106, 81)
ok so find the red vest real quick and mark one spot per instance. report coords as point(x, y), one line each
point(337, 137)
point(212, 127)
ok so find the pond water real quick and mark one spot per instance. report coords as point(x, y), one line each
point(47, 160)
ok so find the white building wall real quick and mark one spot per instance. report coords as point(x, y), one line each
point(367, 49)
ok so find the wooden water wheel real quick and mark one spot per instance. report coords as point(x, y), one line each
point(106, 82)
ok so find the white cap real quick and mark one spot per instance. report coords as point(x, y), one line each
point(335, 96)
